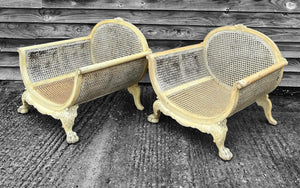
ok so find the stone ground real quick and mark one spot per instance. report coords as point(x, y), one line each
point(119, 148)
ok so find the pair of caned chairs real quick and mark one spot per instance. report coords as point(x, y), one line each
point(199, 86)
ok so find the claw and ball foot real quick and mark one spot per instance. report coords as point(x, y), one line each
point(67, 118)
point(135, 91)
point(24, 108)
point(154, 118)
point(219, 134)
point(266, 104)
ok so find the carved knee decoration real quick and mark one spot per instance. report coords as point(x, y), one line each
point(219, 135)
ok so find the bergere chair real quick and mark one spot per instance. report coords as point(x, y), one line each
point(60, 75)
point(201, 85)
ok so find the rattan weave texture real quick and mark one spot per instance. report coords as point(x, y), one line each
point(57, 91)
point(112, 41)
point(105, 81)
point(181, 67)
point(229, 54)
point(205, 99)
point(56, 60)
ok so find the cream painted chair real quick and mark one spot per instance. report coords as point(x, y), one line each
point(200, 86)
point(61, 75)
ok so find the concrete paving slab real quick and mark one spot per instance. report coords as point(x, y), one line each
point(118, 147)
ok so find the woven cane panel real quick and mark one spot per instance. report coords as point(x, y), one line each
point(178, 68)
point(234, 55)
point(53, 61)
point(205, 99)
point(111, 41)
point(105, 81)
point(58, 92)
point(263, 86)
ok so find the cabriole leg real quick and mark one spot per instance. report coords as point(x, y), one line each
point(154, 118)
point(219, 134)
point(67, 119)
point(135, 91)
point(24, 108)
point(266, 104)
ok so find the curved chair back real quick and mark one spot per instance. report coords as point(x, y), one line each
point(113, 39)
point(110, 40)
point(234, 53)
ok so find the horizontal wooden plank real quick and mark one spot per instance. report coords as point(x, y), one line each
point(20, 4)
point(200, 5)
point(289, 46)
point(10, 73)
point(161, 17)
point(289, 50)
point(153, 32)
point(9, 59)
point(34, 31)
point(8, 46)
point(290, 54)
point(293, 66)
point(157, 32)
point(13, 73)
point(290, 80)
point(11, 45)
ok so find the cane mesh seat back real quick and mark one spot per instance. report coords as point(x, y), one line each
point(111, 41)
point(234, 55)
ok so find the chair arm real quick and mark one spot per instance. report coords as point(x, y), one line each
point(254, 77)
point(110, 76)
point(256, 85)
point(114, 62)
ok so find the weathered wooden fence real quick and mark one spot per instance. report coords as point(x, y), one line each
point(166, 24)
